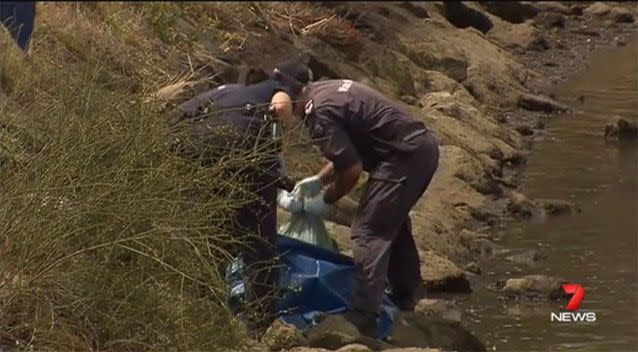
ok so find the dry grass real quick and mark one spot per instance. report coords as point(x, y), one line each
point(308, 19)
point(108, 242)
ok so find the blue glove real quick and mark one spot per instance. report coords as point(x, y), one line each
point(309, 186)
point(289, 201)
point(316, 205)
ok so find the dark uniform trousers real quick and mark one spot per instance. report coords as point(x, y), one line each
point(381, 232)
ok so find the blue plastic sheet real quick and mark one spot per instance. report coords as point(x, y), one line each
point(312, 280)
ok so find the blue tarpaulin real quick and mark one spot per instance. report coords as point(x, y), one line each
point(312, 280)
point(19, 18)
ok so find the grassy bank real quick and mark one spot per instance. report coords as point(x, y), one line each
point(107, 240)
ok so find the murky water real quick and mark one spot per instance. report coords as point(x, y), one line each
point(598, 248)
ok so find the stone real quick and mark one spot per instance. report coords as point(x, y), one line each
point(521, 206)
point(355, 347)
point(530, 257)
point(415, 330)
point(553, 6)
point(438, 308)
point(621, 130)
point(524, 130)
point(621, 15)
point(441, 275)
point(598, 9)
point(473, 268)
point(524, 36)
point(549, 20)
point(281, 336)
point(410, 99)
point(556, 207)
point(511, 11)
point(332, 333)
point(533, 286)
point(540, 103)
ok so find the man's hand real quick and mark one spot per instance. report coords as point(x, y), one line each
point(316, 205)
point(289, 201)
point(309, 186)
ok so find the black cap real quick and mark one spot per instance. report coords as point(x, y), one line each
point(296, 70)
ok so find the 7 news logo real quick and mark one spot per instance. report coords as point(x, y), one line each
point(571, 316)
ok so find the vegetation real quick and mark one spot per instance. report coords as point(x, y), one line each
point(108, 241)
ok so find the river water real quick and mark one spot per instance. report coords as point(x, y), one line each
point(597, 248)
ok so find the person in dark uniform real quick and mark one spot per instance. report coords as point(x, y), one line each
point(233, 119)
point(357, 128)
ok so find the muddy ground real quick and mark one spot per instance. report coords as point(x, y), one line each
point(480, 75)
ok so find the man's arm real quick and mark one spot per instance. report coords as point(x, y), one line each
point(327, 173)
point(344, 182)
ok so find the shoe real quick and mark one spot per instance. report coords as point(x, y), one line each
point(405, 304)
point(366, 322)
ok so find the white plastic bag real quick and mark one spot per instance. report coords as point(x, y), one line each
point(308, 228)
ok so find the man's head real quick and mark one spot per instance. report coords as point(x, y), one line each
point(292, 76)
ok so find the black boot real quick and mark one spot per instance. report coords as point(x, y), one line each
point(404, 303)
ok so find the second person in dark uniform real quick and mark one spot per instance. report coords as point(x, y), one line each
point(234, 118)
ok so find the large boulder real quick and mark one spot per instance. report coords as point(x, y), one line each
point(520, 37)
point(441, 275)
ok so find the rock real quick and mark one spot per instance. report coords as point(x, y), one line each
point(549, 20)
point(410, 99)
point(354, 348)
point(415, 330)
point(441, 275)
point(282, 336)
point(478, 245)
point(533, 286)
point(530, 257)
point(576, 10)
point(511, 11)
point(621, 15)
point(413, 349)
point(598, 9)
point(472, 268)
point(332, 333)
point(521, 206)
point(540, 103)
point(621, 130)
point(620, 42)
point(438, 308)
point(522, 36)
point(463, 16)
point(524, 130)
point(553, 6)
point(558, 207)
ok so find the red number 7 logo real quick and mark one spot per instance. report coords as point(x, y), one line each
point(578, 293)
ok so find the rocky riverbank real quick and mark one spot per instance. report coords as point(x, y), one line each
point(481, 79)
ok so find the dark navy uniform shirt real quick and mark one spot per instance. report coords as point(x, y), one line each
point(352, 122)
